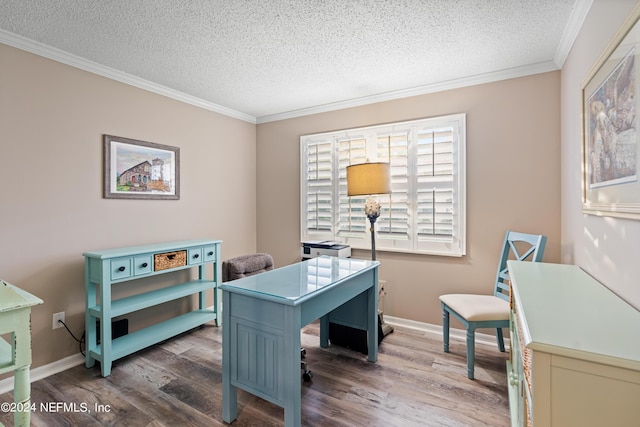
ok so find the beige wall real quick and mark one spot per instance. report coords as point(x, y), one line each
point(52, 118)
point(606, 247)
point(513, 158)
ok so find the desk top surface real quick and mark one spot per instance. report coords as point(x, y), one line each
point(293, 283)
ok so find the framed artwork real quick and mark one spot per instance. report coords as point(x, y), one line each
point(140, 170)
point(610, 140)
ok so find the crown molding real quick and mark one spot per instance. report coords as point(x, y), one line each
point(63, 57)
point(571, 31)
point(576, 20)
point(420, 90)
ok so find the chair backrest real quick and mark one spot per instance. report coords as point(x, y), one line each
point(520, 247)
point(246, 265)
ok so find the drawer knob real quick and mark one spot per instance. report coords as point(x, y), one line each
point(210, 253)
point(144, 265)
point(513, 379)
point(123, 268)
point(171, 256)
point(196, 255)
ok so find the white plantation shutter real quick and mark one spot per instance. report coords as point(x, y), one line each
point(435, 181)
point(394, 222)
point(351, 220)
point(318, 183)
point(425, 212)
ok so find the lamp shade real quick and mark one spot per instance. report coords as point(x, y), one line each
point(368, 178)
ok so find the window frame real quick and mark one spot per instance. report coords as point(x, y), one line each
point(334, 188)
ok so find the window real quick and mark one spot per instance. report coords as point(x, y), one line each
point(425, 212)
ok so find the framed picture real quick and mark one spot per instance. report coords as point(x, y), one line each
point(140, 170)
point(610, 139)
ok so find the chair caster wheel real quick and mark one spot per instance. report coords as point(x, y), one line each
point(307, 376)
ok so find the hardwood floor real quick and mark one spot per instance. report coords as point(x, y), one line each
point(178, 383)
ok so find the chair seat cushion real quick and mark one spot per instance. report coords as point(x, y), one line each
point(476, 308)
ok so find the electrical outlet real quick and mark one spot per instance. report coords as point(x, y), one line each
point(382, 287)
point(56, 317)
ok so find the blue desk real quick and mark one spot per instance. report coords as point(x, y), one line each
point(262, 317)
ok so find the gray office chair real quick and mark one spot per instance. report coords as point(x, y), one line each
point(246, 265)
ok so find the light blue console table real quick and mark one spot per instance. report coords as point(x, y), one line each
point(263, 315)
point(106, 268)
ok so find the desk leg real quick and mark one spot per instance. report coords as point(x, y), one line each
point(372, 321)
point(229, 402)
point(22, 396)
point(217, 276)
point(229, 392)
point(292, 373)
point(324, 331)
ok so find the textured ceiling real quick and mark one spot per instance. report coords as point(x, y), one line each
point(270, 58)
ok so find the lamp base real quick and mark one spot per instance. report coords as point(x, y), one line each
point(384, 327)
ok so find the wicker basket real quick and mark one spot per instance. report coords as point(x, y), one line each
point(527, 357)
point(169, 260)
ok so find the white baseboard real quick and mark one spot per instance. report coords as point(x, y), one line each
point(44, 371)
point(456, 334)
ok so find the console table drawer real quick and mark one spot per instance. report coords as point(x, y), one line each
point(195, 256)
point(142, 265)
point(120, 268)
point(210, 253)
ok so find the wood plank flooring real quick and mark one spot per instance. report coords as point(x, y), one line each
point(179, 383)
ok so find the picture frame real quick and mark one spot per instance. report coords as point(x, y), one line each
point(136, 169)
point(610, 138)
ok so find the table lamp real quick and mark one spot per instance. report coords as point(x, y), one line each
point(368, 179)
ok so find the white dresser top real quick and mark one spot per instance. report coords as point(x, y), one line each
point(567, 312)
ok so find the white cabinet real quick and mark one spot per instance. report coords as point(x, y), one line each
point(575, 357)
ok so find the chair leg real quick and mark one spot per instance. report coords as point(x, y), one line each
point(445, 329)
point(471, 343)
point(500, 339)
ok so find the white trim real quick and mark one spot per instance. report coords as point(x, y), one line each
point(84, 64)
point(456, 334)
point(323, 197)
point(44, 371)
point(570, 33)
point(512, 73)
point(61, 56)
point(578, 15)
